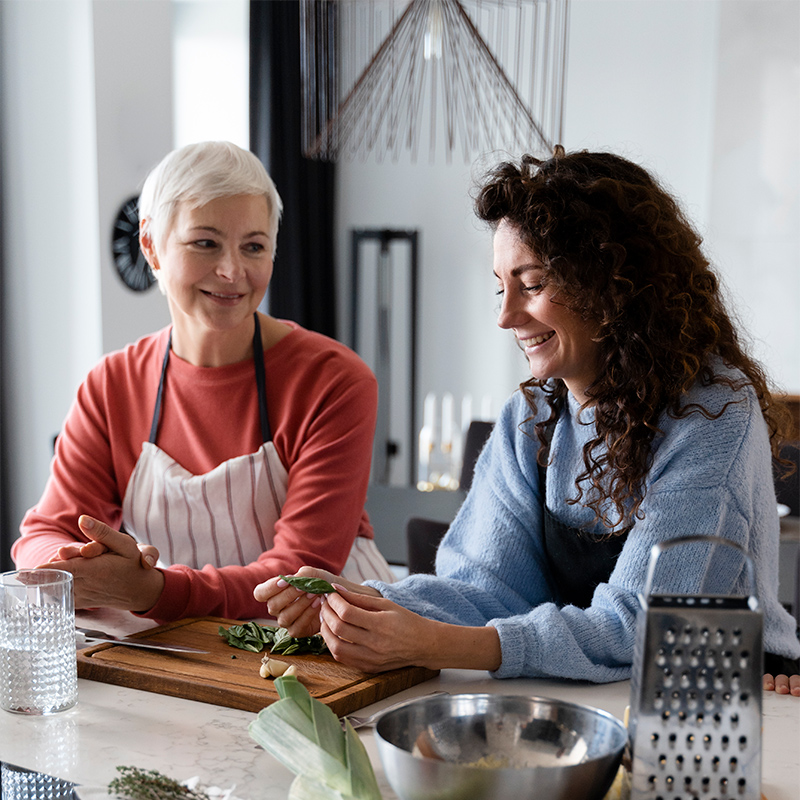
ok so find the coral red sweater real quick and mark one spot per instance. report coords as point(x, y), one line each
point(321, 401)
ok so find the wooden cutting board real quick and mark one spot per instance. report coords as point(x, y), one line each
point(227, 676)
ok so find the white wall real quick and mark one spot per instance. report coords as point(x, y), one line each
point(641, 83)
point(754, 220)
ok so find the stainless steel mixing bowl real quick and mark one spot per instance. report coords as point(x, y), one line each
point(493, 747)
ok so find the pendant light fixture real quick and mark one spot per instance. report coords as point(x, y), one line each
point(381, 77)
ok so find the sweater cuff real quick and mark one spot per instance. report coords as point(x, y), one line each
point(518, 652)
point(174, 597)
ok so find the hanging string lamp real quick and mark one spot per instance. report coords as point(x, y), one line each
point(383, 77)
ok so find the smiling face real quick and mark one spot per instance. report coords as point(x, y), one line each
point(214, 264)
point(557, 342)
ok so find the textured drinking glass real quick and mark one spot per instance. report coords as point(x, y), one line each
point(38, 665)
point(22, 784)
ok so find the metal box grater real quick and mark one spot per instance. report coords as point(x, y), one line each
point(695, 721)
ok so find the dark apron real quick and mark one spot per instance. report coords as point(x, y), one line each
point(578, 562)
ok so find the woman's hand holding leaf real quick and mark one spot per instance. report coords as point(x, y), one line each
point(294, 608)
point(374, 634)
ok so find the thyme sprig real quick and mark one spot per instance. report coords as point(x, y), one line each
point(142, 784)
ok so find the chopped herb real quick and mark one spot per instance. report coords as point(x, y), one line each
point(310, 585)
point(254, 637)
point(249, 636)
point(140, 784)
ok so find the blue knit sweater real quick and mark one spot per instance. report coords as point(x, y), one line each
point(710, 477)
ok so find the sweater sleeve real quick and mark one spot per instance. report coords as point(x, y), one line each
point(329, 466)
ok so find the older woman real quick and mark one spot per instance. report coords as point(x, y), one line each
point(233, 444)
point(644, 421)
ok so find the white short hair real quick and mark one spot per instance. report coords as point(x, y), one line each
point(198, 173)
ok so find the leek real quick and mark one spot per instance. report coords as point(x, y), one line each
point(306, 736)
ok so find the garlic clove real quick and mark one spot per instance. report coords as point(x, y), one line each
point(277, 668)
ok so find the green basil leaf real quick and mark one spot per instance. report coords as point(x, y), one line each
point(254, 638)
point(310, 585)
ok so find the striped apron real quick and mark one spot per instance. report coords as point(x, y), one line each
point(228, 515)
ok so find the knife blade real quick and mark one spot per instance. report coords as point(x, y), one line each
point(150, 644)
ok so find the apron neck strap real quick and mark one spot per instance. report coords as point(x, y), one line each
point(258, 363)
point(160, 395)
point(258, 360)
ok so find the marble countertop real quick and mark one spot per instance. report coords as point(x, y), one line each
point(112, 726)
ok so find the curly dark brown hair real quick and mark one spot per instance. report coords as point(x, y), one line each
point(617, 250)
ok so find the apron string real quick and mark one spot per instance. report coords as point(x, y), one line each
point(157, 410)
point(258, 360)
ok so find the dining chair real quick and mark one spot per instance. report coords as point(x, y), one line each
point(796, 606)
point(787, 491)
point(787, 487)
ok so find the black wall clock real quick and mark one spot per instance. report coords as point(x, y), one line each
point(129, 260)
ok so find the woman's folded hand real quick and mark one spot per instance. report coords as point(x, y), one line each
point(111, 570)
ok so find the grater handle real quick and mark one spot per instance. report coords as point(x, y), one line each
point(659, 548)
